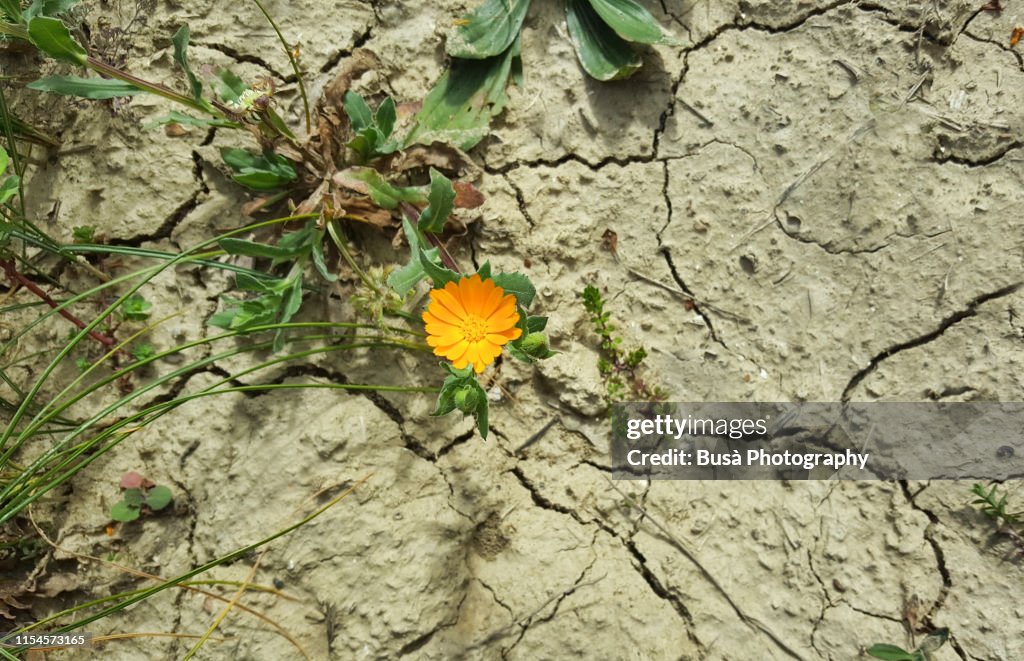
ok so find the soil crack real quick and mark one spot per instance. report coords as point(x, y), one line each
point(969, 311)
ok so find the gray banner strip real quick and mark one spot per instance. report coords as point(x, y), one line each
point(818, 441)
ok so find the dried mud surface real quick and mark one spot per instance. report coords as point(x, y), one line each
point(837, 186)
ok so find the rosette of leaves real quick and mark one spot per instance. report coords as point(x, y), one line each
point(139, 493)
point(603, 33)
point(485, 47)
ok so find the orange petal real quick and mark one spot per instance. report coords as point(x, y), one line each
point(456, 353)
point(479, 367)
point(448, 297)
point(490, 305)
point(471, 289)
point(498, 339)
point(441, 313)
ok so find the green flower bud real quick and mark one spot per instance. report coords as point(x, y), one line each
point(466, 399)
point(536, 345)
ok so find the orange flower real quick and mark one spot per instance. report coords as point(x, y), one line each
point(470, 321)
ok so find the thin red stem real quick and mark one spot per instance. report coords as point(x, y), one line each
point(18, 279)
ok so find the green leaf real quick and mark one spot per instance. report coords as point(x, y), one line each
point(52, 37)
point(484, 271)
point(358, 112)
point(253, 249)
point(122, 511)
point(518, 285)
point(409, 275)
point(5, 160)
point(536, 324)
point(385, 117)
point(631, 21)
point(438, 274)
point(265, 171)
point(603, 54)
point(441, 201)
point(176, 117)
point(44, 8)
point(459, 108)
point(133, 496)
point(318, 258)
point(293, 302)
point(229, 86)
point(381, 192)
point(136, 308)
point(87, 88)
point(262, 180)
point(9, 188)
point(891, 653)
point(158, 498)
point(488, 30)
point(12, 10)
point(180, 41)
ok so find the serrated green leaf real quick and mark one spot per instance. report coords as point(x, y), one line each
point(158, 498)
point(86, 88)
point(518, 285)
point(358, 112)
point(385, 117)
point(52, 37)
point(180, 41)
point(409, 275)
point(459, 108)
point(440, 203)
point(631, 21)
point(484, 271)
point(438, 274)
point(487, 30)
point(122, 511)
point(603, 54)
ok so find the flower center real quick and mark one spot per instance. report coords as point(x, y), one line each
point(473, 328)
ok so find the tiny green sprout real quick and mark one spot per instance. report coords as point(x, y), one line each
point(83, 234)
point(136, 308)
point(621, 369)
point(139, 493)
point(82, 364)
point(143, 352)
point(997, 508)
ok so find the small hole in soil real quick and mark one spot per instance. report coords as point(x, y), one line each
point(792, 223)
point(748, 265)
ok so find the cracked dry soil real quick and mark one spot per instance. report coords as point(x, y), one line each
point(813, 201)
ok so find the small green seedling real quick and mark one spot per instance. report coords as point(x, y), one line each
point(83, 234)
point(997, 508)
point(143, 352)
point(620, 368)
point(82, 364)
point(373, 130)
point(931, 643)
point(139, 493)
point(136, 308)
